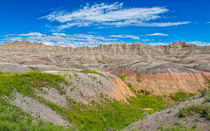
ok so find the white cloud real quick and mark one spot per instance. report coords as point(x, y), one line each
point(200, 43)
point(48, 43)
point(157, 34)
point(61, 39)
point(158, 43)
point(125, 36)
point(32, 34)
point(113, 14)
point(165, 24)
point(59, 34)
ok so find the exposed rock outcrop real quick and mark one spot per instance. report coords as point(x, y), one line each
point(161, 79)
point(37, 109)
point(87, 87)
point(121, 58)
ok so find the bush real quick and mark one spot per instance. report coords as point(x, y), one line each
point(203, 92)
point(207, 99)
point(206, 95)
point(201, 109)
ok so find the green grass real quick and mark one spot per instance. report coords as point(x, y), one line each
point(33, 68)
point(180, 96)
point(11, 117)
point(122, 77)
point(108, 114)
point(176, 128)
point(206, 95)
point(26, 83)
point(92, 72)
point(14, 119)
point(203, 110)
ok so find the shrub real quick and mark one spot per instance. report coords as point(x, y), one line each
point(207, 99)
point(203, 92)
point(201, 109)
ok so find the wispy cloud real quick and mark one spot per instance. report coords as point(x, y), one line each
point(157, 34)
point(125, 36)
point(158, 43)
point(61, 39)
point(31, 34)
point(110, 14)
point(201, 43)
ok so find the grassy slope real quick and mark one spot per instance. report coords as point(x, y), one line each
point(107, 115)
point(180, 96)
point(13, 118)
point(202, 110)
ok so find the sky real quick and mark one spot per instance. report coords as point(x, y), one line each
point(92, 22)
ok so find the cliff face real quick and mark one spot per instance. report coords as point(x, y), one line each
point(170, 78)
point(110, 53)
point(161, 79)
point(136, 48)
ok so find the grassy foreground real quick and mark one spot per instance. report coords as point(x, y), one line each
point(109, 114)
point(14, 119)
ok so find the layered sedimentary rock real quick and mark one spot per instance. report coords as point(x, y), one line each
point(169, 78)
point(161, 79)
point(87, 87)
point(136, 48)
point(178, 66)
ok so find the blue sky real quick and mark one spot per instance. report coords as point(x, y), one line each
point(92, 22)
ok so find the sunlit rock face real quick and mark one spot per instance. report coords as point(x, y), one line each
point(162, 79)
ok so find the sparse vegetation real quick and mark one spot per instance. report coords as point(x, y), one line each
point(22, 62)
point(203, 110)
point(180, 96)
point(122, 77)
point(92, 72)
point(176, 128)
point(33, 68)
point(13, 118)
